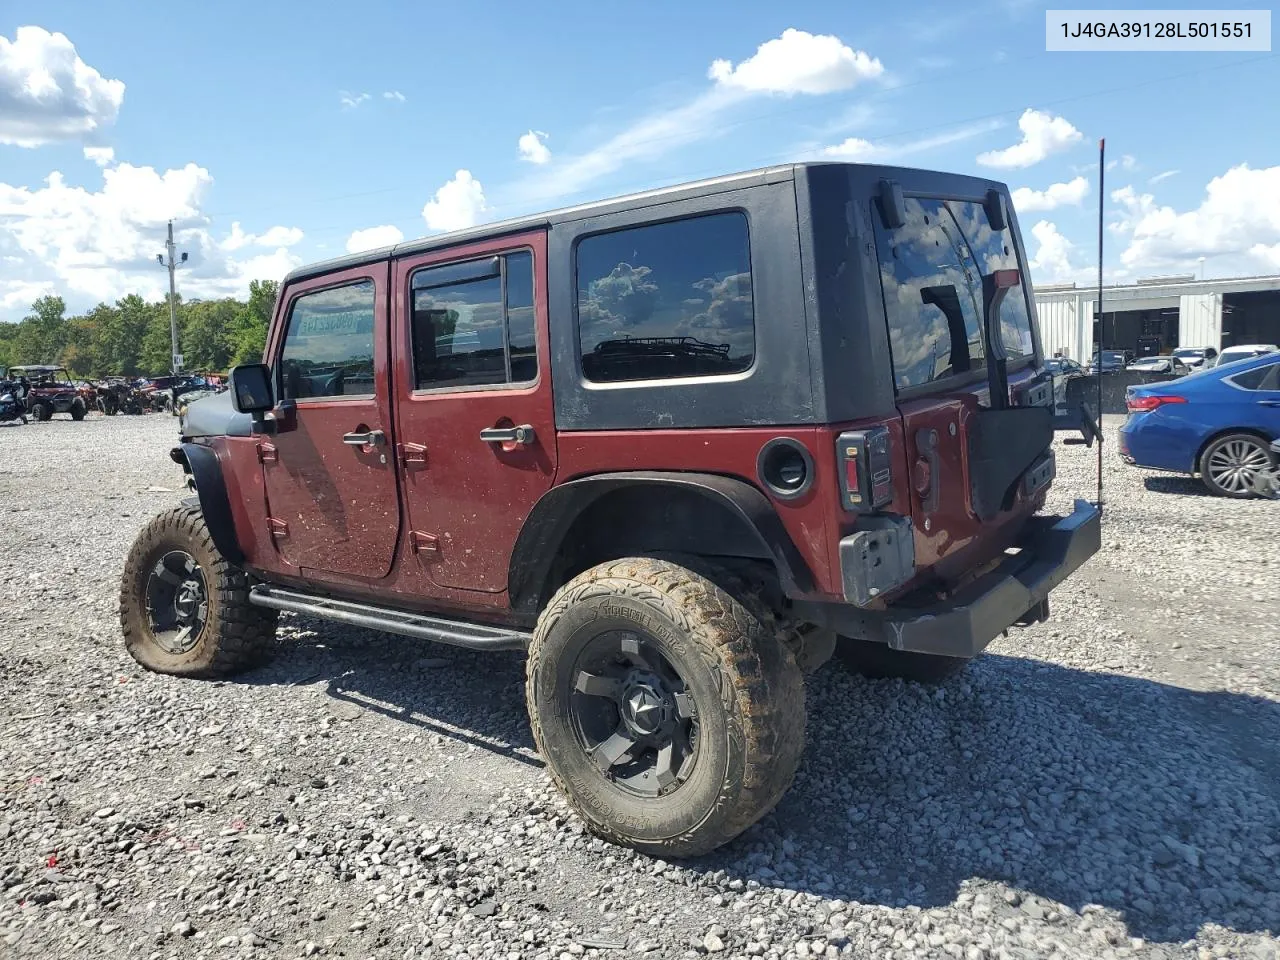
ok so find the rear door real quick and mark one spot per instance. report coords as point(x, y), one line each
point(330, 481)
point(473, 401)
point(932, 271)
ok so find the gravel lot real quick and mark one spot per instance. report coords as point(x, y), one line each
point(1103, 785)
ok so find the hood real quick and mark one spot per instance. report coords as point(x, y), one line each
point(215, 417)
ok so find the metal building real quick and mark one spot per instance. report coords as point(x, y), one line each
point(1153, 316)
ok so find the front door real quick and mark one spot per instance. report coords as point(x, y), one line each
point(473, 404)
point(330, 476)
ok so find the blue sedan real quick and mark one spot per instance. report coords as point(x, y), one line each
point(1217, 423)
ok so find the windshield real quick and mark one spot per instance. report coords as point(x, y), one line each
point(1188, 353)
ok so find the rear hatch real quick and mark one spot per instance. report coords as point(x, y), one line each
point(977, 468)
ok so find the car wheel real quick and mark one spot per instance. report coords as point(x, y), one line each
point(41, 411)
point(876, 660)
point(77, 410)
point(1231, 466)
point(666, 709)
point(184, 609)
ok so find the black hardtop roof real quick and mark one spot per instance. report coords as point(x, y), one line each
point(680, 191)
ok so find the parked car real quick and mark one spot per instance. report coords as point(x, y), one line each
point(1113, 361)
point(1063, 370)
point(1196, 357)
point(502, 439)
point(1244, 351)
point(53, 391)
point(1217, 423)
point(1161, 364)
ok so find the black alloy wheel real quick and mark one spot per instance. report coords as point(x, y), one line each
point(177, 602)
point(633, 714)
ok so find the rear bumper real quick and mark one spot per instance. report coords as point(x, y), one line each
point(1016, 591)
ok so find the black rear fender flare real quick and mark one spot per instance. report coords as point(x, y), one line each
point(756, 523)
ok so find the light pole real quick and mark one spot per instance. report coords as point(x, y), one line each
point(175, 362)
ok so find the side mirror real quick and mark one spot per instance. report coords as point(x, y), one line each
point(251, 388)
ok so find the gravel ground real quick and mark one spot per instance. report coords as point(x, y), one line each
point(1103, 785)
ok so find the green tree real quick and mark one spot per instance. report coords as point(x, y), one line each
point(250, 337)
point(8, 333)
point(129, 326)
point(208, 329)
point(42, 334)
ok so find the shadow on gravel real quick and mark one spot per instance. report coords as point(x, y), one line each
point(1185, 486)
point(1084, 788)
point(476, 699)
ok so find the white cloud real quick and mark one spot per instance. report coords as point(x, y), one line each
point(395, 95)
point(533, 147)
point(1052, 260)
point(1237, 223)
point(350, 101)
point(865, 151)
point(47, 93)
point(458, 204)
point(1055, 195)
point(1159, 177)
point(102, 156)
point(1135, 206)
point(100, 244)
point(775, 68)
point(1268, 256)
point(798, 62)
point(18, 295)
point(1042, 136)
point(371, 238)
point(273, 237)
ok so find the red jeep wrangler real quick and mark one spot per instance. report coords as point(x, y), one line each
point(678, 446)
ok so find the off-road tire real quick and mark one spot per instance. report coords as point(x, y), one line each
point(748, 692)
point(41, 411)
point(77, 410)
point(236, 635)
point(878, 661)
point(1218, 443)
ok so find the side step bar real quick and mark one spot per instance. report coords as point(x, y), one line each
point(459, 633)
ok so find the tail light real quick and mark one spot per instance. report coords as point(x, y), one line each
point(1145, 404)
point(866, 477)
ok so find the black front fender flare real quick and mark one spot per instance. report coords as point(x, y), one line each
point(554, 514)
point(211, 490)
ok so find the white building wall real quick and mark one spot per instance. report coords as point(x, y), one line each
point(1061, 328)
point(1200, 320)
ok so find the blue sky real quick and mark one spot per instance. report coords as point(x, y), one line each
point(275, 131)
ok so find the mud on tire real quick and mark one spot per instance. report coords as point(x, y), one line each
point(231, 636)
point(745, 690)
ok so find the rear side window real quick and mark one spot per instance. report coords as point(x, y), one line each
point(328, 351)
point(1259, 378)
point(666, 300)
point(931, 271)
point(473, 323)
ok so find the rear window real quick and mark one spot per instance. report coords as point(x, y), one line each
point(667, 300)
point(931, 271)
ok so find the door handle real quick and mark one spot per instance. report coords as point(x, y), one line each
point(523, 434)
point(370, 438)
point(1269, 403)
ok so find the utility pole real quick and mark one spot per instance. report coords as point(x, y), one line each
point(176, 359)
